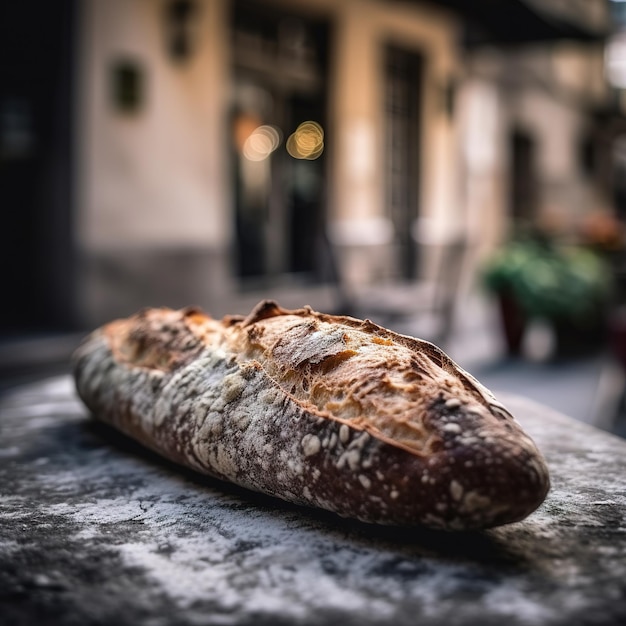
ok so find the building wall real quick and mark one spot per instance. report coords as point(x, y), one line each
point(547, 92)
point(359, 215)
point(154, 186)
point(153, 191)
point(155, 176)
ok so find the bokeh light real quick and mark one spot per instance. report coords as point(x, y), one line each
point(307, 142)
point(261, 143)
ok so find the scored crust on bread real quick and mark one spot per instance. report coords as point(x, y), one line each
point(316, 409)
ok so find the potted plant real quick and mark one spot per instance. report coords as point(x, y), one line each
point(569, 287)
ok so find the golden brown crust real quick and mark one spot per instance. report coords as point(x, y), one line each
point(349, 370)
point(372, 424)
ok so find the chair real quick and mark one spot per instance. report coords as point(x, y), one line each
point(425, 308)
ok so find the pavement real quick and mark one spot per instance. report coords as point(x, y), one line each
point(588, 388)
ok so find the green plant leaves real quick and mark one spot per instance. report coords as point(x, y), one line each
point(551, 281)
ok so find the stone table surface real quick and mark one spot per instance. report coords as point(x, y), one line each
point(96, 530)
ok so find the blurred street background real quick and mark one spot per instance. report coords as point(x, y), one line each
point(451, 169)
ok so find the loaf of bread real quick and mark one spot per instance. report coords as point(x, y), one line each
point(319, 410)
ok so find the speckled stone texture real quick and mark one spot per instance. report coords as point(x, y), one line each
point(96, 530)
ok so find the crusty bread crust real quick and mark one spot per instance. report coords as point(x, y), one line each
point(316, 409)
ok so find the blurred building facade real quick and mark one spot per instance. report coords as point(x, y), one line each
point(173, 188)
point(226, 147)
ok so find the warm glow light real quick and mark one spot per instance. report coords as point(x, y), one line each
point(307, 142)
point(261, 142)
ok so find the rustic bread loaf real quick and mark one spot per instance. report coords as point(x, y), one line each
point(318, 410)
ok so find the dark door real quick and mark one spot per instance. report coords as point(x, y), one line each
point(403, 96)
point(278, 124)
point(523, 178)
point(36, 251)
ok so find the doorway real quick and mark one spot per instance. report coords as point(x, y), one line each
point(403, 98)
point(279, 142)
point(523, 201)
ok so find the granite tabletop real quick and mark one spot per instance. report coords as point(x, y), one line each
point(96, 530)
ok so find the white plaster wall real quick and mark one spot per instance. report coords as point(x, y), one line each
point(155, 178)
